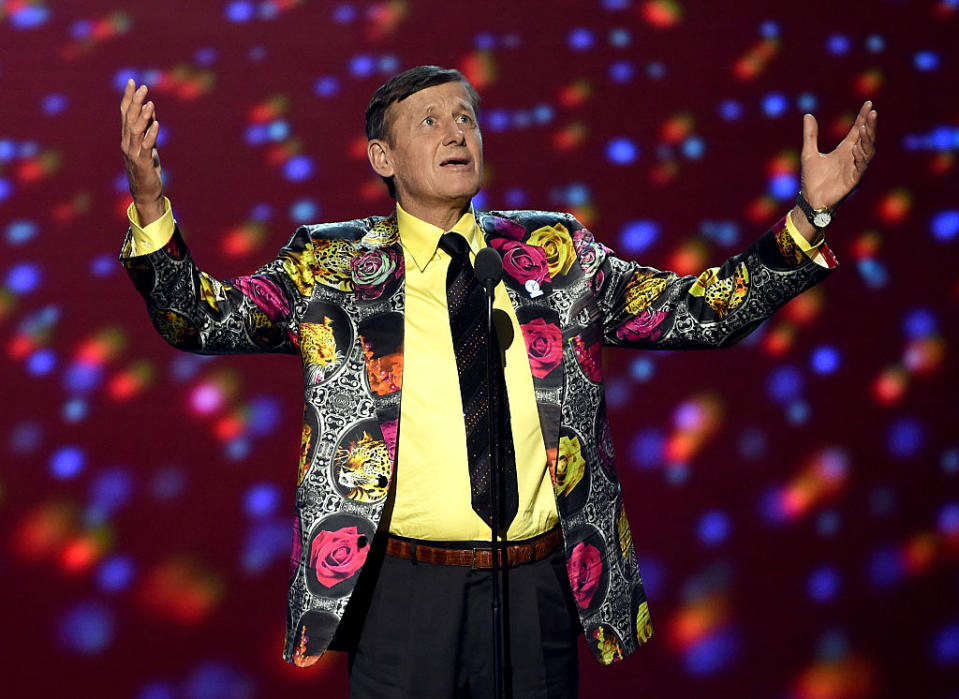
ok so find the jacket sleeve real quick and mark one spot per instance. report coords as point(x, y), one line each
point(643, 307)
point(193, 311)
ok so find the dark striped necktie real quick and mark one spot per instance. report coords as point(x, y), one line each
point(467, 307)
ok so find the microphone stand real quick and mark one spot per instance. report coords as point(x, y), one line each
point(489, 270)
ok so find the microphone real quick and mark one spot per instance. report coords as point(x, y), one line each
point(488, 266)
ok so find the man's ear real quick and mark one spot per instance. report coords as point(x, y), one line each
point(378, 151)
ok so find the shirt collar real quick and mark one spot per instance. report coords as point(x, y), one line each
point(420, 239)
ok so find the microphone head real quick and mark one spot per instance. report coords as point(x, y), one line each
point(489, 266)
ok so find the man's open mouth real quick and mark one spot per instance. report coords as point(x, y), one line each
point(454, 162)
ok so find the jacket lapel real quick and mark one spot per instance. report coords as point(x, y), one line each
point(527, 279)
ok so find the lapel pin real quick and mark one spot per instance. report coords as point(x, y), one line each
point(532, 286)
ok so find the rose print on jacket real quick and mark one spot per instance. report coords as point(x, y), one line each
point(644, 326)
point(524, 263)
point(265, 293)
point(336, 555)
point(372, 270)
point(585, 567)
point(558, 246)
point(569, 466)
point(544, 344)
point(589, 358)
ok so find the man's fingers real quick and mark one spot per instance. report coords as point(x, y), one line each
point(855, 131)
point(150, 138)
point(810, 129)
point(128, 91)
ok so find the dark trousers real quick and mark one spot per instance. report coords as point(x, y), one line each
point(417, 629)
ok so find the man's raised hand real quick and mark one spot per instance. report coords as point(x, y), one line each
point(827, 178)
point(138, 144)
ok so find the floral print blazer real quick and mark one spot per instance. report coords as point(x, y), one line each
point(335, 296)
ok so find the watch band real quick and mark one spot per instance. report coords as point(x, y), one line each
point(819, 218)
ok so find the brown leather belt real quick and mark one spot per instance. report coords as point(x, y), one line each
point(479, 556)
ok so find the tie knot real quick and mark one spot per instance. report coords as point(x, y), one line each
point(454, 244)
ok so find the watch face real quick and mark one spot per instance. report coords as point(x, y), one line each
point(822, 219)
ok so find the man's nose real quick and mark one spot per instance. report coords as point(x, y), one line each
point(454, 134)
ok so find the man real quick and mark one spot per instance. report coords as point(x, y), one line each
point(388, 558)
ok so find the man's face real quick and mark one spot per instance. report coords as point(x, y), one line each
point(435, 152)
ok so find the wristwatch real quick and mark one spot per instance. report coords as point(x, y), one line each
point(820, 218)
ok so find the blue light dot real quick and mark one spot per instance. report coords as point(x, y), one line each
point(825, 360)
point(167, 483)
point(6, 189)
point(712, 653)
point(833, 646)
point(807, 102)
point(827, 523)
point(256, 53)
point(362, 65)
point(693, 147)
point(8, 150)
point(926, 61)
point(304, 211)
point(577, 195)
point(238, 448)
point(485, 41)
point(873, 272)
point(724, 233)
point(41, 362)
point(267, 10)
point(656, 70)
point(677, 474)
point(798, 412)
point(885, 568)
point(479, 200)
point(388, 64)
point(213, 680)
point(621, 71)
point(522, 118)
point(327, 86)
point(515, 197)
point(111, 489)
point(115, 573)
point(267, 541)
point(638, 236)
point(28, 149)
point(343, 14)
point(29, 16)
point(823, 584)
point(205, 56)
point(905, 438)
point(74, 410)
point(838, 45)
point(87, 628)
point(784, 186)
point(54, 104)
point(67, 462)
point(256, 134)
point(261, 500)
point(752, 443)
point(614, 5)
point(730, 110)
point(103, 266)
point(264, 415)
point(81, 29)
point(945, 647)
point(158, 690)
point(648, 448)
point(882, 501)
point(278, 130)
point(621, 151)
point(920, 322)
point(82, 377)
point(26, 437)
point(543, 113)
point(945, 225)
point(620, 37)
point(949, 519)
point(949, 461)
point(784, 384)
point(769, 29)
point(714, 527)
point(875, 43)
point(775, 104)
point(580, 39)
point(240, 11)
point(497, 120)
point(618, 392)
point(298, 168)
point(642, 369)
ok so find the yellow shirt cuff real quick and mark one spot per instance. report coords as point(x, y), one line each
point(154, 236)
point(811, 250)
